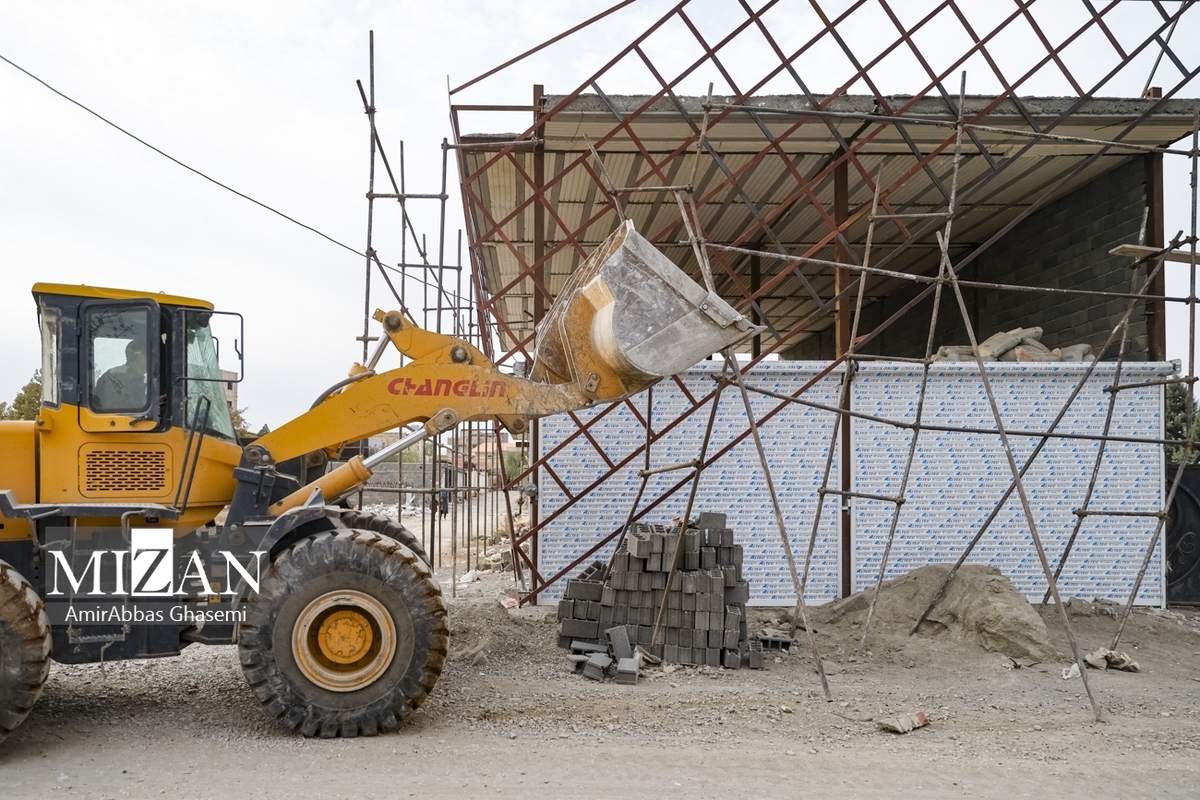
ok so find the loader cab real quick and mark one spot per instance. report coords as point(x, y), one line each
point(128, 378)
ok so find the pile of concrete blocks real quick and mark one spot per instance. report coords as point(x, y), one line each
point(596, 661)
point(705, 618)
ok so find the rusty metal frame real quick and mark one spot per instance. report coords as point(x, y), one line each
point(662, 174)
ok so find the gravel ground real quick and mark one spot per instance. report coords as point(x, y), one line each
point(508, 719)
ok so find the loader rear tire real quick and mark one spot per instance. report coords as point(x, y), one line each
point(24, 648)
point(360, 520)
point(346, 636)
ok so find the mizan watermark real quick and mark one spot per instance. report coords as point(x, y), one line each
point(139, 585)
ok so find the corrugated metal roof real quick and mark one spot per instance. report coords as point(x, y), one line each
point(624, 130)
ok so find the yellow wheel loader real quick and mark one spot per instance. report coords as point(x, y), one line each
point(110, 545)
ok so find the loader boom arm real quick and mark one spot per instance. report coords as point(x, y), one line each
point(445, 373)
point(627, 318)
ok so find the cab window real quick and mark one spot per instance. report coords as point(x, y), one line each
point(50, 357)
point(206, 407)
point(119, 351)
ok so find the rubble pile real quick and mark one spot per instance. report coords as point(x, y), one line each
point(705, 618)
point(1019, 344)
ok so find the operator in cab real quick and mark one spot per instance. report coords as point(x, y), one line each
point(123, 388)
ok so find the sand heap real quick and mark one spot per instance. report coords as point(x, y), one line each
point(979, 606)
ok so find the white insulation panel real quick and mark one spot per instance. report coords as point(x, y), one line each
point(958, 478)
point(796, 440)
point(955, 482)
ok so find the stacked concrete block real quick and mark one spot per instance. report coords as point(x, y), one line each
point(705, 616)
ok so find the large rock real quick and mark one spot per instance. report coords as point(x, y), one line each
point(979, 606)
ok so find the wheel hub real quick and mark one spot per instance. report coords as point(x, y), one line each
point(344, 640)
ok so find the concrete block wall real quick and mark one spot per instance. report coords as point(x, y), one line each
point(1063, 245)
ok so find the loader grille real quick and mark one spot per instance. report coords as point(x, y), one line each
point(126, 471)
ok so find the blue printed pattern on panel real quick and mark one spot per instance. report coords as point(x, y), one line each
point(796, 439)
point(957, 478)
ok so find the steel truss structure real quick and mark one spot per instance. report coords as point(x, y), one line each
point(791, 206)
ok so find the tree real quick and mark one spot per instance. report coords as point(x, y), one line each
point(514, 463)
point(240, 423)
point(27, 402)
point(1177, 415)
point(264, 430)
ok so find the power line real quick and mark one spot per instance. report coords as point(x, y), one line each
point(193, 170)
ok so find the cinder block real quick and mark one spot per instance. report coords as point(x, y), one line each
point(733, 616)
point(685, 637)
point(724, 556)
point(583, 590)
point(596, 665)
point(689, 602)
point(621, 561)
point(564, 642)
point(670, 547)
point(701, 623)
point(688, 618)
point(639, 545)
point(618, 639)
point(620, 614)
point(675, 599)
point(656, 543)
point(608, 596)
point(710, 520)
point(593, 609)
point(690, 582)
point(716, 638)
point(671, 636)
point(580, 628)
point(756, 655)
point(577, 660)
point(726, 537)
point(606, 616)
point(644, 633)
point(716, 604)
point(691, 561)
point(658, 580)
point(712, 657)
point(730, 639)
point(589, 648)
point(566, 609)
point(627, 670)
point(674, 617)
point(708, 557)
point(740, 593)
point(691, 542)
point(730, 573)
point(654, 562)
point(637, 565)
point(737, 554)
point(732, 659)
point(716, 580)
point(645, 579)
point(670, 653)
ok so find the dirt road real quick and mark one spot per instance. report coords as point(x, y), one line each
point(508, 720)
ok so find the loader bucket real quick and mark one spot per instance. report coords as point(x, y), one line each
point(627, 318)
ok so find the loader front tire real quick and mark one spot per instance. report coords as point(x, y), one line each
point(24, 648)
point(363, 521)
point(346, 636)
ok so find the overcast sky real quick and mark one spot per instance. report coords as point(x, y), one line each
point(261, 96)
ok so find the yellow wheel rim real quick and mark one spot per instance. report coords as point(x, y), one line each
point(343, 641)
